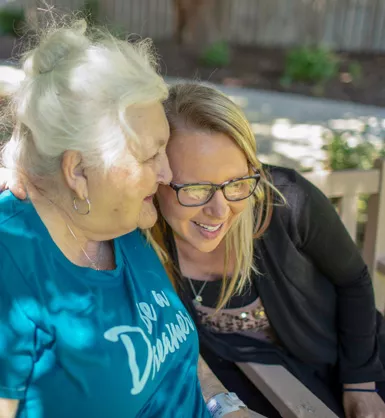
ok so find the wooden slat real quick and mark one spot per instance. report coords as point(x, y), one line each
point(349, 213)
point(380, 241)
point(346, 182)
point(379, 284)
point(374, 245)
point(379, 40)
point(371, 26)
point(360, 25)
point(381, 265)
point(288, 395)
point(374, 242)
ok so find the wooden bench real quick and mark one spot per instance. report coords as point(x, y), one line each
point(286, 393)
point(348, 185)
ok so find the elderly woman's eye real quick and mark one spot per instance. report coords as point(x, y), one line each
point(153, 157)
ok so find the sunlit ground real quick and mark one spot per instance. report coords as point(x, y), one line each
point(291, 130)
point(298, 143)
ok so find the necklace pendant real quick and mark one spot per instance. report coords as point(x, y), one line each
point(198, 300)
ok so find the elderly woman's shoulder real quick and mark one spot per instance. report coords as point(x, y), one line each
point(15, 220)
point(10, 207)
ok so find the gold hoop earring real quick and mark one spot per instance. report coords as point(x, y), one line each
point(77, 208)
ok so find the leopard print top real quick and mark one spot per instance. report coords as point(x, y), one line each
point(251, 317)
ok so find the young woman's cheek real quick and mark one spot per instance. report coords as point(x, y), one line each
point(238, 207)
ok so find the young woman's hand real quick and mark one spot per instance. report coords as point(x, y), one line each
point(10, 180)
point(363, 404)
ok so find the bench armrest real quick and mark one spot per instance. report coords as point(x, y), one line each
point(286, 393)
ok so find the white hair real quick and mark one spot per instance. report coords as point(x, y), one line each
point(77, 88)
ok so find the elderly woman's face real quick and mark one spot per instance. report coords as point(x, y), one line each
point(197, 157)
point(123, 199)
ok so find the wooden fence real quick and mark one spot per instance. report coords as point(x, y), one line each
point(357, 25)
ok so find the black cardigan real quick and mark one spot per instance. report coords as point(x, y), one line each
point(315, 288)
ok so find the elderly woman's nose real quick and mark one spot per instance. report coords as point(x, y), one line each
point(165, 173)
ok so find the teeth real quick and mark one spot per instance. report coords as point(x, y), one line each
point(209, 228)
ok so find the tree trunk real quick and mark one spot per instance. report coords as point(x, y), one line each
point(200, 23)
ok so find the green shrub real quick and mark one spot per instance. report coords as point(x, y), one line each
point(355, 70)
point(310, 64)
point(91, 11)
point(119, 32)
point(342, 156)
point(11, 20)
point(216, 55)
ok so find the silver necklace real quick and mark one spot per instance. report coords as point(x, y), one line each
point(197, 296)
point(93, 264)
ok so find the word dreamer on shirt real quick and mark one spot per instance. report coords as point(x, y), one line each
point(174, 335)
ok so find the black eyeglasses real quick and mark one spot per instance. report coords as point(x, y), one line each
point(198, 194)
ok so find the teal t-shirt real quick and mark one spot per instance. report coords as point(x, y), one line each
point(80, 343)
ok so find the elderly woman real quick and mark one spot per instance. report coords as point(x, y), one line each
point(90, 325)
point(263, 262)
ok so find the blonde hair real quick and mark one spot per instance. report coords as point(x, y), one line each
point(79, 83)
point(200, 107)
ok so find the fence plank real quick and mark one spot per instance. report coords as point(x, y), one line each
point(371, 26)
point(350, 22)
point(379, 29)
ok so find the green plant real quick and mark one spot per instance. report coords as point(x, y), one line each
point(342, 156)
point(11, 20)
point(355, 70)
point(216, 55)
point(118, 31)
point(310, 64)
point(91, 10)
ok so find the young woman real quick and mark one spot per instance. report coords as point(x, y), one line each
point(263, 262)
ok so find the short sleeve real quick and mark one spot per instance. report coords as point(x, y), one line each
point(17, 331)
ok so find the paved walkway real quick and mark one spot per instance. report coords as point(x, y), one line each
point(292, 129)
